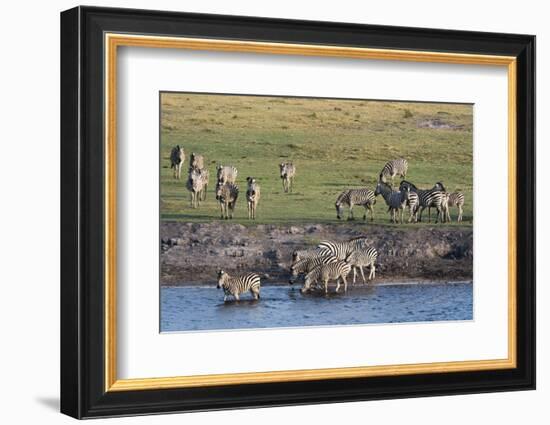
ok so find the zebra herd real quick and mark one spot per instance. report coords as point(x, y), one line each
point(408, 196)
point(227, 190)
point(329, 261)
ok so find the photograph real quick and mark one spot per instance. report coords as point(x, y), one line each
point(280, 211)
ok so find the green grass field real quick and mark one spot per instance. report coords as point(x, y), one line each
point(335, 145)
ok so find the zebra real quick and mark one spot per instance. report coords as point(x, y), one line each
point(252, 197)
point(363, 258)
point(226, 174)
point(352, 197)
point(428, 198)
point(341, 250)
point(395, 200)
point(196, 184)
point(325, 272)
point(454, 199)
point(227, 195)
point(306, 265)
point(196, 162)
point(239, 284)
point(394, 168)
point(304, 254)
point(287, 171)
point(177, 158)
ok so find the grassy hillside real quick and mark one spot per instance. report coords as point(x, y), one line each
point(335, 144)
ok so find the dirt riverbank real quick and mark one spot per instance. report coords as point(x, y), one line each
point(192, 253)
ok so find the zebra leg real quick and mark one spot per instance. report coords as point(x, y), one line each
point(249, 208)
point(326, 286)
point(351, 212)
point(224, 298)
point(459, 213)
point(221, 209)
point(371, 213)
point(255, 293)
point(354, 274)
point(345, 283)
point(362, 274)
point(236, 295)
point(337, 285)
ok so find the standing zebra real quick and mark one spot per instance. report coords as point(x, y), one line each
point(352, 197)
point(428, 198)
point(227, 195)
point(308, 264)
point(413, 202)
point(196, 184)
point(363, 258)
point(305, 254)
point(341, 250)
point(177, 158)
point(455, 199)
point(196, 162)
point(287, 171)
point(396, 200)
point(239, 284)
point(396, 167)
point(226, 174)
point(252, 197)
point(325, 272)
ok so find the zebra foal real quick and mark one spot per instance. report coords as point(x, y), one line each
point(326, 272)
point(454, 199)
point(306, 265)
point(363, 197)
point(177, 158)
point(196, 184)
point(234, 286)
point(287, 171)
point(252, 197)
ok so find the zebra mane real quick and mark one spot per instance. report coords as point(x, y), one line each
point(412, 186)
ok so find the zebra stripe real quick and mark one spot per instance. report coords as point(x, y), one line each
point(428, 198)
point(364, 197)
point(197, 183)
point(226, 174)
point(454, 199)
point(177, 158)
point(303, 254)
point(237, 285)
point(196, 162)
point(227, 195)
point(306, 265)
point(287, 171)
point(341, 250)
point(395, 200)
point(363, 258)
point(394, 168)
point(252, 197)
point(325, 272)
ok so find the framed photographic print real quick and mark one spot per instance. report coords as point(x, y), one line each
point(261, 212)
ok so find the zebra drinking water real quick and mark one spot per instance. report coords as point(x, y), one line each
point(234, 286)
point(364, 197)
point(287, 171)
point(227, 195)
point(396, 167)
point(395, 200)
point(226, 174)
point(325, 272)
point(177, 158)
point(363, 258)
point(252, 197)
point(306, 265)
point(428, 198)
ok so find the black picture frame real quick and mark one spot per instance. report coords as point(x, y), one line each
point(82, 212)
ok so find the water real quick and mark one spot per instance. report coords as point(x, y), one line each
point(202, 308)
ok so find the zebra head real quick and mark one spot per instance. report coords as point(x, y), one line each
point(405, 183)
point(221, 278)
point(339, 206)
point(439, 186)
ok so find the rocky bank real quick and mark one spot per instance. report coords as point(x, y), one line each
point(192, 253)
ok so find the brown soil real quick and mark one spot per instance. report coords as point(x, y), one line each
point(192, 253)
